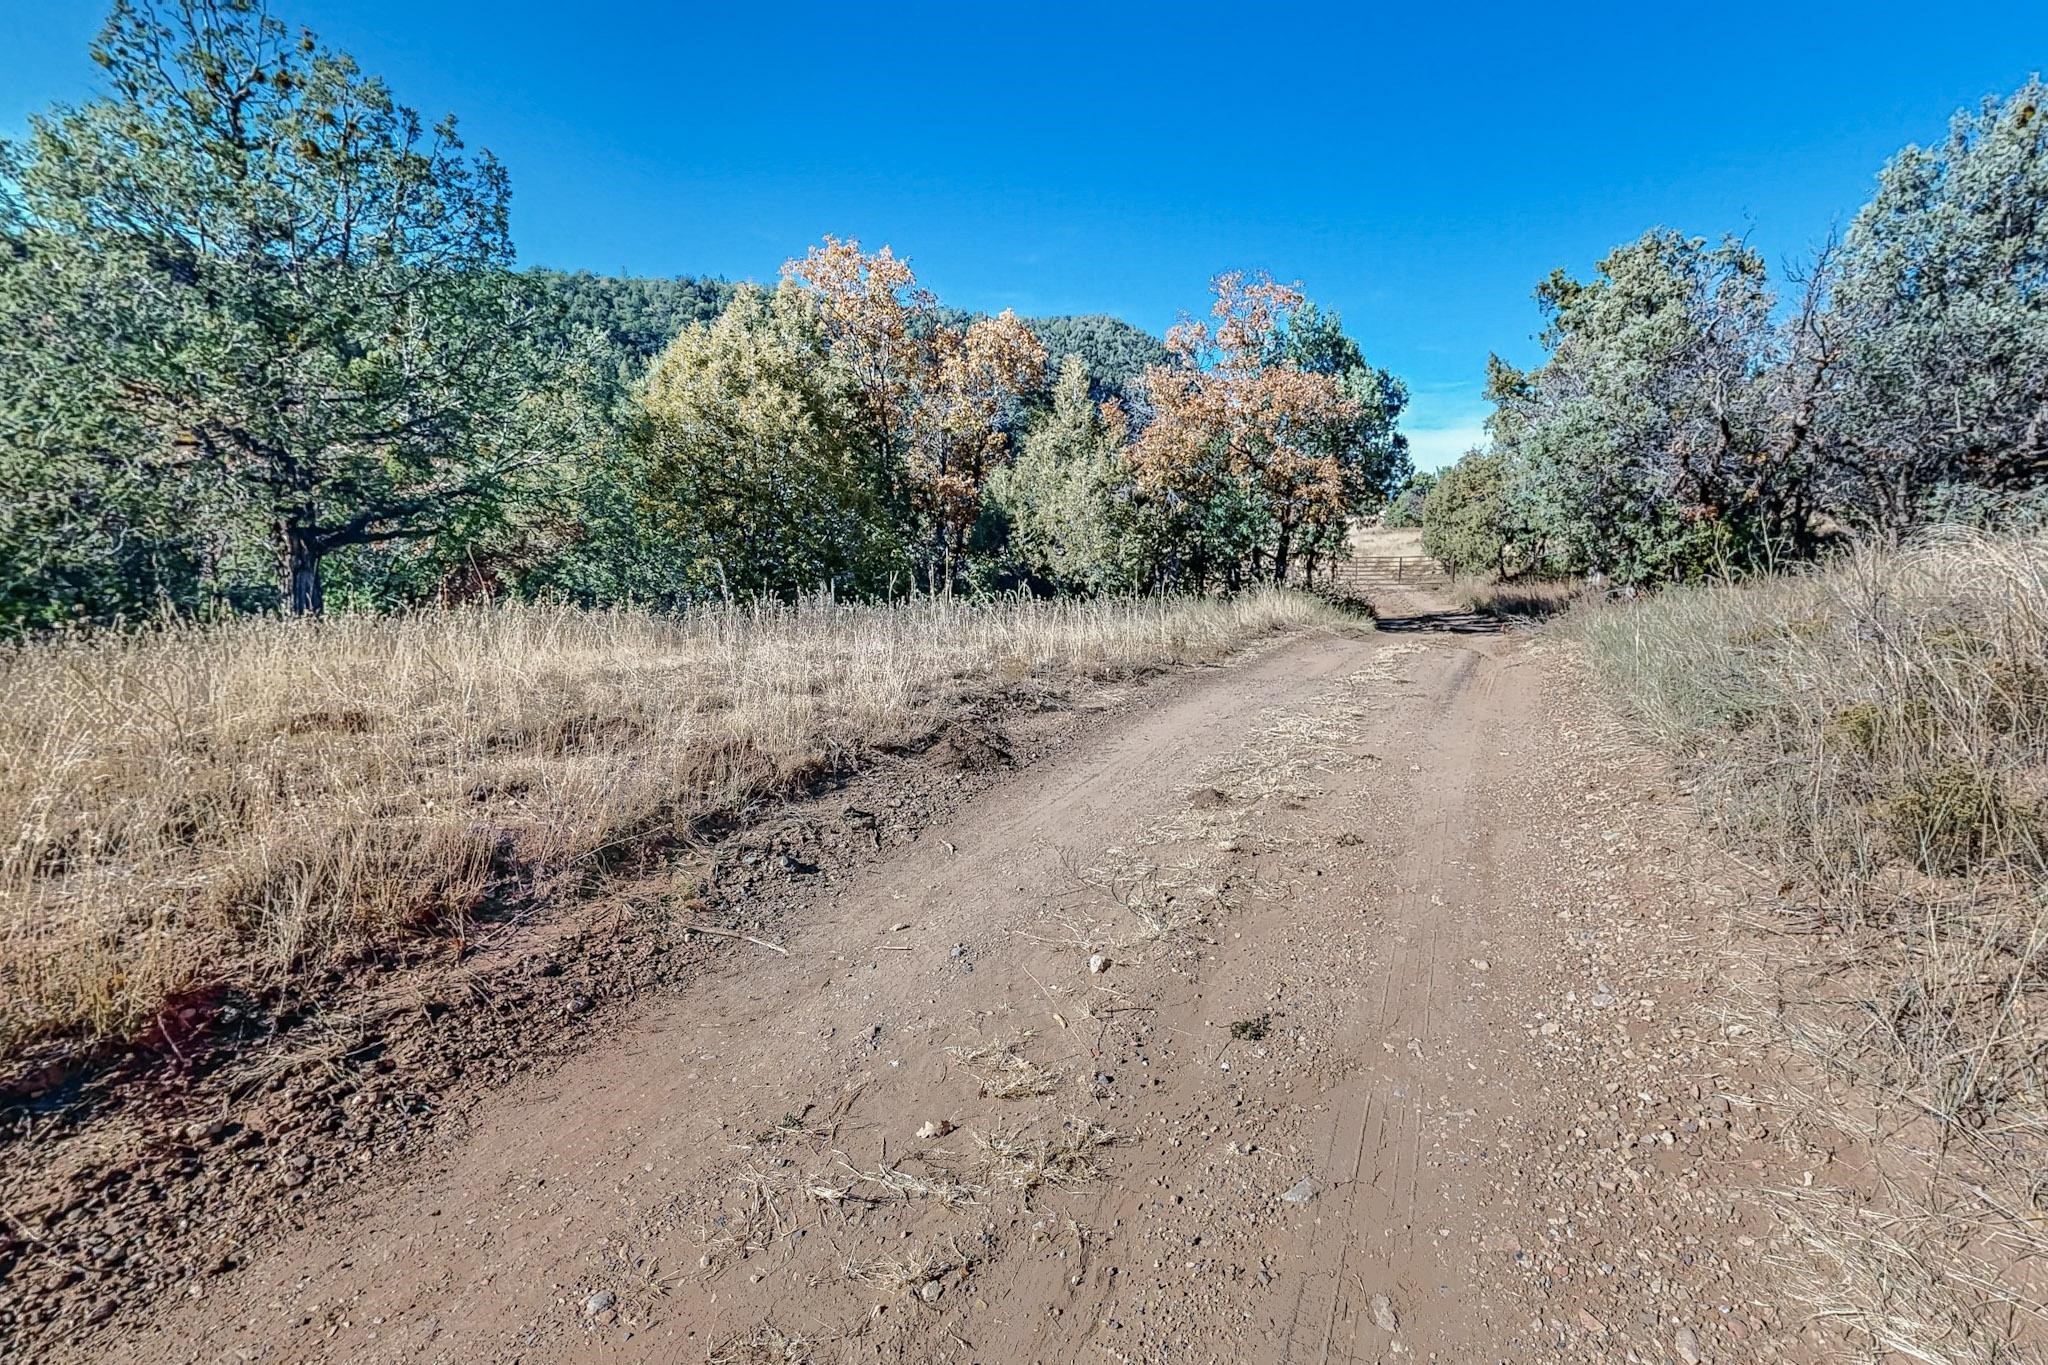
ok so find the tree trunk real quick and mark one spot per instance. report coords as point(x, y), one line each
point(299, 566)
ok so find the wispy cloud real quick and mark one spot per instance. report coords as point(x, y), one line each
point(1435, 447)
point(1443, 423)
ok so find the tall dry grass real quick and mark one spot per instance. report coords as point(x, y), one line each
point(1522, 599)
point(1878, 730)
point(199, 806)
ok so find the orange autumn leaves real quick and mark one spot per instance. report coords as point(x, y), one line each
point(932, 397)
point(1234, 422)
point(1232, 408)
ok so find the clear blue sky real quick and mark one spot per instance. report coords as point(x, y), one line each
point(1419, 166)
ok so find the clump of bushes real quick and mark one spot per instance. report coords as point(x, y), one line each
point(1958, 817)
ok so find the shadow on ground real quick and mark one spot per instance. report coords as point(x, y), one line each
point(1445, 623)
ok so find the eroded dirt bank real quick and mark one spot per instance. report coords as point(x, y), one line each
point(1353, 1003)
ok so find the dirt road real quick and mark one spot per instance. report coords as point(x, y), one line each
point(1347, 1004)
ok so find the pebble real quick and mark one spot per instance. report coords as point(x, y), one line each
point(1383, 1315)
point(930, 1290)
point(598, 1302)
point(1303, 1190)
point(1098, 964)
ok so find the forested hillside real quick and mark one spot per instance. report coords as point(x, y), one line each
point(636, 317)
point(633, 316)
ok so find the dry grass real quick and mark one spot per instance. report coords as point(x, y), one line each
point(764, 1345)
point(1895, 1283)
point(1028, 1162)
point(1005, 1073)
point(1878, 730)
point(905, 1273)
point(1524, 599)
point(194, 808)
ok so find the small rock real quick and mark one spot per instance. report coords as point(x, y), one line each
point(937, 1128)
point(1303, 1191)
point(930, 1290)
point(598, 1302)
point(1383, 1315)
point(1687, 1343)
point(1098, 964)
point(1480, 964)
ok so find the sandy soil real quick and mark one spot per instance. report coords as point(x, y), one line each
point(1351, 1003)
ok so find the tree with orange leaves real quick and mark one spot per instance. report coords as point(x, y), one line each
point(932, 400)
point(1247, 443)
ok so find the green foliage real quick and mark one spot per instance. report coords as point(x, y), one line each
point(251, 296)
point(1468, 517)
point(1370, 449)
point(635, 318)
point(1650, 444)
point(1066, 495)
point(750, 472)
point(1404, 509)
point(1684, 424)
point(1940, 317)
point(1115, 353)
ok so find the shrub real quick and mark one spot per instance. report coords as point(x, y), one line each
point(1958, 816)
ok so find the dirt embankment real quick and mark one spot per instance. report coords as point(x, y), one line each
point(1353, 1002)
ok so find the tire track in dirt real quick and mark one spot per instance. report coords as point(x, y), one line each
point(1378, 1132)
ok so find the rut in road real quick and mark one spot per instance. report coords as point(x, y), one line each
point(1316, 1105)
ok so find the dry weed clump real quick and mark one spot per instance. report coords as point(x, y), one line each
point(192, 809)
point(911, 1270)
point(1004, 1073)
point(1524, 599)
point(1028, 1162)
point(1878, 729)
point(764, 1345)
